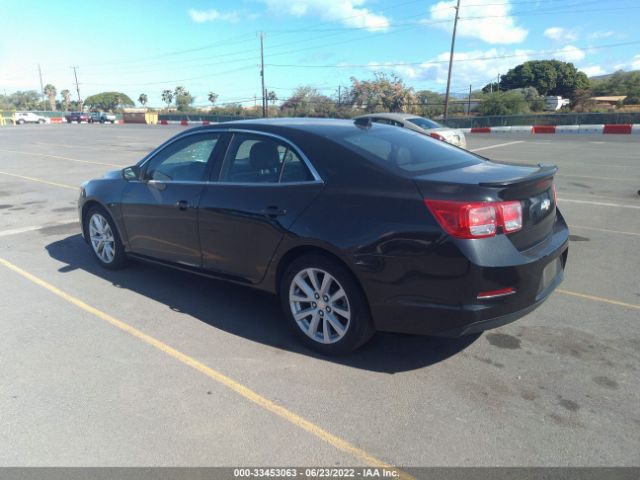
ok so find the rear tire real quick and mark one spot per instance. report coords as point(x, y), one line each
point(325, 305)
point(103, 239)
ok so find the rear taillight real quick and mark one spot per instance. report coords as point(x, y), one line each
point(476, 219)
point(437, 136)
point(510, 214)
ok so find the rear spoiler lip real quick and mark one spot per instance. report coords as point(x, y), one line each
point(545, 171)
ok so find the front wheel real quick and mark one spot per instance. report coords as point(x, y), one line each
point(325, 305)
point(104, 239)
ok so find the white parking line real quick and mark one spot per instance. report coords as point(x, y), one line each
point(496, 146)
point(33, 228)
point(600, 204)
point(605, 230)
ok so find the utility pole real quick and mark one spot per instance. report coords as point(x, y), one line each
point(453, 46)
point(498, 84)
point(264, 97)
point(75, 74)
point(469, 103)
point(41, 84)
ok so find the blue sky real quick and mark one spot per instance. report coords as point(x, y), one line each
point(212, 45)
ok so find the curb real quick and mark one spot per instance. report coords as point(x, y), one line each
point(616, 129)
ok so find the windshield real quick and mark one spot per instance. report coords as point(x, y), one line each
point(424, 123)
point(403, 150)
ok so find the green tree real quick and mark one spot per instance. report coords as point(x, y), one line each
point(167, 97)
point(143, 99)
point(533, 99)
point(24, 100)
point(212, 97)
point(548, 77)
point(619, 83)
point(308, 102)
point(66, 99)
point(183, 98)
point(271, 97)
point(50, 92)
point(383, 93)
point(108, 101)
point(503, 103)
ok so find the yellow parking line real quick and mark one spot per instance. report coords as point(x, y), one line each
point(228, 382)
point(599, 299)
point(60, 157)
point(63, 185)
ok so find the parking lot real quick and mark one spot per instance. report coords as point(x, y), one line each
point(148, 366)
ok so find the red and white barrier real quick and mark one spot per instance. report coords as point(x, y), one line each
point(616, 129)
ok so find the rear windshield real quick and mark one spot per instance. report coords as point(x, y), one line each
point(424, 122)
point(403, 150)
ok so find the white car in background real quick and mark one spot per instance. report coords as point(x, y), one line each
point(422, 125)
point(30, 117)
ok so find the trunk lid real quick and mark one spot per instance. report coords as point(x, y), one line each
point(491, 181)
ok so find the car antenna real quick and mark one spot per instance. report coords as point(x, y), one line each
point(364, 122)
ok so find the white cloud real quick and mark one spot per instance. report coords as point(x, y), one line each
point(348, 12)
point(593, 70)
point(603, 34)
point(569, 53)
point(560, 34)
point(476, 67)
point(212, 15)
point(497, 28)
point(635, 63)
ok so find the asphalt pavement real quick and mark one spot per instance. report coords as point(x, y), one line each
point(151, 367)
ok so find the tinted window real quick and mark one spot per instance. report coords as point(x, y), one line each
point(424, 123)
point(183, 160)
point(258, 159)
point(403, 150)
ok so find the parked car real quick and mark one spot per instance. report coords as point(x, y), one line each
point(102, 117)
point(421, 125)
point(78, 117)
point(30, 117)
point(356, 226)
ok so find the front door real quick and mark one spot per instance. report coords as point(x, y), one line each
point(160, 212)
point(263, 186)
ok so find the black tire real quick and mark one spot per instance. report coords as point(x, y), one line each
point(119, 257)
point(41, 122)
point(359, 327)
point(79, 121)
point(20, 122)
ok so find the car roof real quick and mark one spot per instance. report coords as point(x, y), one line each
point(316, 126)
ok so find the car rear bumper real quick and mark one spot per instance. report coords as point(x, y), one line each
point(442, 300)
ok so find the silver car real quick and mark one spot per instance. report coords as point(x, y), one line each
point(422, 125)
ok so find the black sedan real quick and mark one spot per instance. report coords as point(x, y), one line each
point(356, 226)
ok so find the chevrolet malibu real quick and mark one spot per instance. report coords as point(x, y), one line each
point(356, 226)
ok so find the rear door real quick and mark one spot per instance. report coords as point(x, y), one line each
point(263, 185)
point(160, 212)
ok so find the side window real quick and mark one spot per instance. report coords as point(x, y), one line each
point(257, 159)
point(184, 160)
point(386, 121)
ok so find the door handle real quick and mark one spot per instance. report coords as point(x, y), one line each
point(274, 211)
point(182, 205)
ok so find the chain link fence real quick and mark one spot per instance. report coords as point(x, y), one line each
point(545, 119)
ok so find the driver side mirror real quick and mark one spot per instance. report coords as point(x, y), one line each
point(131, 173)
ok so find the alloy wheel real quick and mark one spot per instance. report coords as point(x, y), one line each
point(319, 305)
point(102, 239)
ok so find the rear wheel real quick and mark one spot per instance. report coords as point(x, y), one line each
point(104, 239)
point(325, 305)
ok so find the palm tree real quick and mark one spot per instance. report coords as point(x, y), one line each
point(271, 97)
point(167, 97)
point(213, 98)
point(66, 98)
point(50, 92)
point(143, 99)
